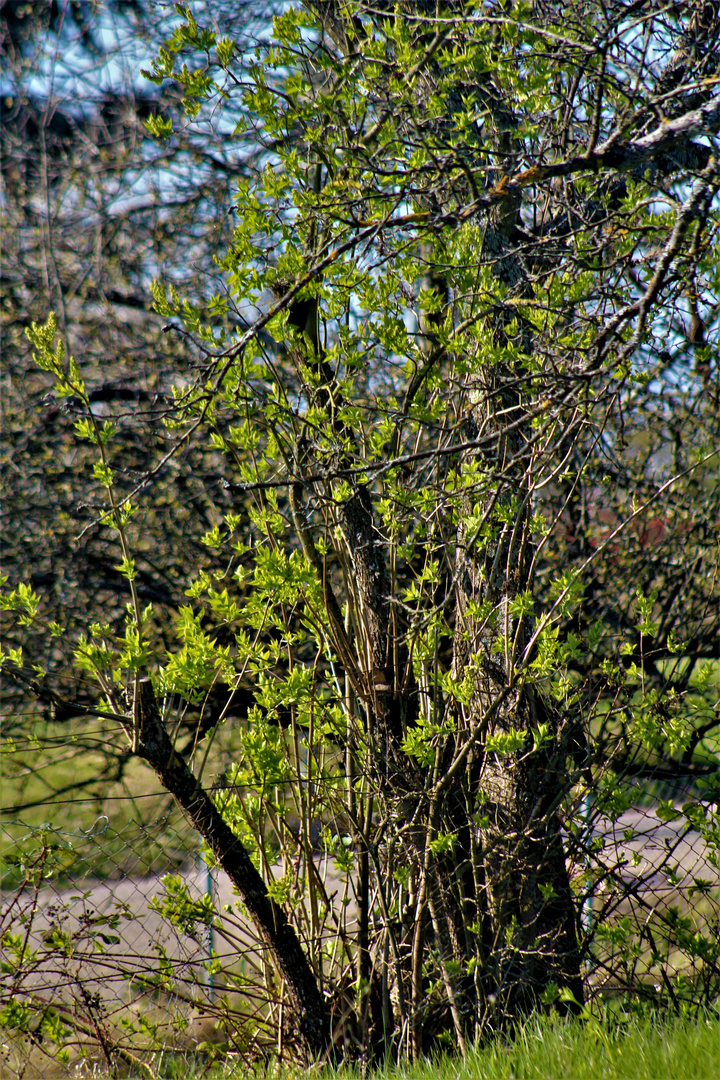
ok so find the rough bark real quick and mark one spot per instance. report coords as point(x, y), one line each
point(529, 920)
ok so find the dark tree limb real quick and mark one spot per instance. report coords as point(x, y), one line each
point(270, 921)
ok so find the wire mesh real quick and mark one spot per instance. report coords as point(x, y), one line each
point(109, 948)
point(123, 944)
point(651, 889)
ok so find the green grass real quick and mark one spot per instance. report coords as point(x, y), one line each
point(559, 1050)
point(101, 827)
point(551, 1051)
point(60, 782)
point(545, 1049)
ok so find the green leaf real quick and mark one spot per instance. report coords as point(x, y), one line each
point(155, 125)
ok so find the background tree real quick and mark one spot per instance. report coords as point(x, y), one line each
point(467, 432)
point(93, 207)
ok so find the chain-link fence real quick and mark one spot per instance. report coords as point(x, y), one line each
point(651, 889)
point(112, 945)
point(122, 946)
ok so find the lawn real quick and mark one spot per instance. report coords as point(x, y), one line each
point(104, 811)
point(638, 1049)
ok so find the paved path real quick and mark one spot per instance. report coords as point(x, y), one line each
point(656, 858)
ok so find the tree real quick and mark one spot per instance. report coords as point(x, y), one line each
point(464, 260)
point(92, 205)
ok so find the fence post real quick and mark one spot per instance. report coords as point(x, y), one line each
point(586, 915)
point(207, 880)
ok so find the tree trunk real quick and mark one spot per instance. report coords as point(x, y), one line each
point(529, 915)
